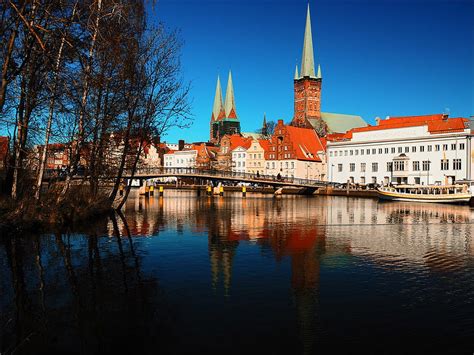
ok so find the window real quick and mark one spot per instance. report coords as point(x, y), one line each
point(426, 165)
point(456, 164)
point(444, 164)
point(362, 167)
point(335, 153)
point(380, 151)
point(339, 167)
point(445, 147)
point(386, 150)
point(292, 164)
point(416, 166)
point(357, 151)
point(407, 149)
point(362, 152)
point(389, 166)
point(437, 147)
point(393, 150)
point(375, 167)
point(351, 152)
point(453, 146)
point(430, 148)
point(400, 149)
point(461, 146)
point(352, 167)
point(368, 151)
point(413, 149)
point(374, 151)
point(345, 153)
point(286, 147)
point(399, 165)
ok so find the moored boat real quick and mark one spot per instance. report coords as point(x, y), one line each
point(429, 193)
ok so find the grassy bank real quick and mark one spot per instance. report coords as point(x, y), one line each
point(27, 214)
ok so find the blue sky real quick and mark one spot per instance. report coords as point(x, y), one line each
point(378, 58)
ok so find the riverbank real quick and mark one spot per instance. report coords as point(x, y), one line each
point(29, 215)
point(285, 191)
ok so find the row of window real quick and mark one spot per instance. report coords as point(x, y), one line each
point(401, 165)
point(254, 155)
point(393, 150)
point(287, 165)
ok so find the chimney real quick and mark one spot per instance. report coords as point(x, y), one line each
point(280, 122)
point(181, 144)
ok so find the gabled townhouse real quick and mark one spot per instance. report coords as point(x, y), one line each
point(255, 163)
point(206, 156)
point(239, 147)
point(180, 159)
point(296, 152)
point(228, 143)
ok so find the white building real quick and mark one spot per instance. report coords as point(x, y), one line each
point(239, 157)
point(180, 159)
point(430, 149)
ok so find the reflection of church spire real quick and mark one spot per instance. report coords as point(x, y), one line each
point(221, 249)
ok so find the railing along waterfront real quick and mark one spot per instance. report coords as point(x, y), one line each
point(219, 174)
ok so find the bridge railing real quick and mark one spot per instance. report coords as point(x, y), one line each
point(257, 178)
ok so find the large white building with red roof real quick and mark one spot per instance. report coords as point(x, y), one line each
point(431, 149)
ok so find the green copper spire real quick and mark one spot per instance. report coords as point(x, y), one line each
point(229, 99)
point(216, 109)
point(307, 60)
point(296, 73)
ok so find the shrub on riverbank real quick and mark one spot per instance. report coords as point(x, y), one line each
point(28, 214)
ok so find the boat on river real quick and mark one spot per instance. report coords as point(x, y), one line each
point(426, 193)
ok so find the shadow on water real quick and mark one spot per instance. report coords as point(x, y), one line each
point(182, 274)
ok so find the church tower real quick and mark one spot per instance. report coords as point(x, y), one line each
point(217, 112)
point(307, 84)
point(224, 119)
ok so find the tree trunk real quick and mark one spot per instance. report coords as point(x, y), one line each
point(52, 100)
point(76, 149)
point(132, 174)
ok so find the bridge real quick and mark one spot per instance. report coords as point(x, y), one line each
point(308, 185)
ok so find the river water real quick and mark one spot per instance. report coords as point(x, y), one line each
point(293, 275)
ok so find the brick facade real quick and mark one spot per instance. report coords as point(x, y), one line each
point(307, 102)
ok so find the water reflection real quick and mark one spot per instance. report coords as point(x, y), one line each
point(350, 264)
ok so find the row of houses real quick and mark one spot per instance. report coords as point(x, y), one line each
point(292, 152)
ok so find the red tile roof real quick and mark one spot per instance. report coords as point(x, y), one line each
point(306, 143)
point(436, 124)
point(265, 144)
point(236, 140)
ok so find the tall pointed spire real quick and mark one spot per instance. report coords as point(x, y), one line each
point(296, 72)
point(319, 72)
point(218, 106)
point(230, 111)
point(264, 125)
point(307, 60)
